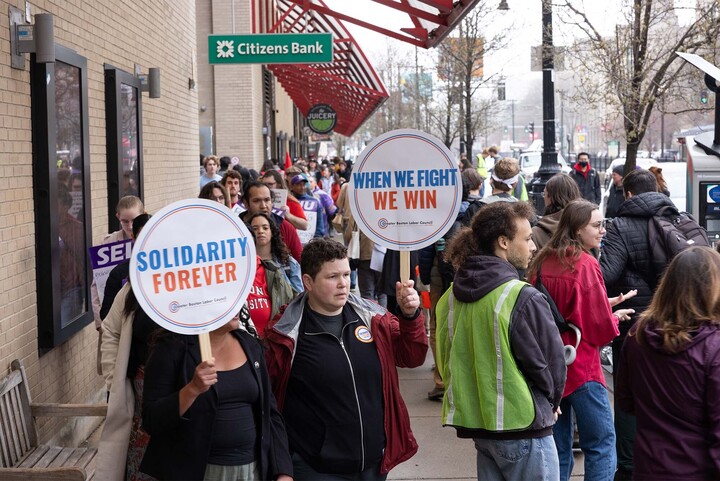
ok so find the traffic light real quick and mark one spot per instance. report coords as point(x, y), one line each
point(506, 130)
point(704, 96)
point(501, 91)
point(531, 129)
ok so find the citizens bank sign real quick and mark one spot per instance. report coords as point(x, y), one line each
point(271, 48)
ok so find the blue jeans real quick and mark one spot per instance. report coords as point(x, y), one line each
point(591, 406)
point(533, 459)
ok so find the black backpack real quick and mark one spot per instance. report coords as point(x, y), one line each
point(669, 233)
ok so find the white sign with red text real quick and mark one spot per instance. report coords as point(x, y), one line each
point(192, 266)
point(405, 191)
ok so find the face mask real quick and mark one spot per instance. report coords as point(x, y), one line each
point(583, 163)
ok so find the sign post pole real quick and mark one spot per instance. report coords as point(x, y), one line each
point(404, 266)
point(205, 348)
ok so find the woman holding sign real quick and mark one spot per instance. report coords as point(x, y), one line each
point(216, 419)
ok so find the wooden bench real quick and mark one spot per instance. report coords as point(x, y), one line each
point(21, 458)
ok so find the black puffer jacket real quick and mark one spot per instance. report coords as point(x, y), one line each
point(625, 259)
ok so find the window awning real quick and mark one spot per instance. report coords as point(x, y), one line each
point(430, 21)
point(349, 84)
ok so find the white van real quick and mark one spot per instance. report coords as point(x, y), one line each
point(530, 163)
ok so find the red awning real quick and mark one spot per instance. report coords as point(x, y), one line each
point(429, 21)
point(349, 84)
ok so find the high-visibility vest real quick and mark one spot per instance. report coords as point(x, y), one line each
point(484, 388)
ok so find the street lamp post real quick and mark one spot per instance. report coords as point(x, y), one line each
point(548, 165)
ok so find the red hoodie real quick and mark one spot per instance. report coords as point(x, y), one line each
point(579, 169)
point(582, 300)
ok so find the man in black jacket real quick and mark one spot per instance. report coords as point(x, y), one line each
point(616, 196)
point(626, 264)
point(587, 179)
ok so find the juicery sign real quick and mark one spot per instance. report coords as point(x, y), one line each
point(321, 118)
point(271, 48)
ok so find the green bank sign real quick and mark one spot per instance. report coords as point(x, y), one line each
point(271, 48)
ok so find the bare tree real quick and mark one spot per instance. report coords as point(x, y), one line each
point(462, 57)
point(631, 70)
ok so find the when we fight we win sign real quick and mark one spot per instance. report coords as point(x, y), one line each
point(405, 191)
point(192, 266)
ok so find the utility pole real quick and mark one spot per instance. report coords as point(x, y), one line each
point(562, 122)
point(548, 164)
point(662, 127)
point(513, 120)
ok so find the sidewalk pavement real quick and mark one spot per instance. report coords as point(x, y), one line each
point(441, 454)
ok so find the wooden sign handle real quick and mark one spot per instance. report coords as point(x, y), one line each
point(404, 266)
point(205, 348)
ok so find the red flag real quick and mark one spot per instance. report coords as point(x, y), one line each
point(288, 162)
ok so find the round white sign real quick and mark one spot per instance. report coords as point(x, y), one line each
point(192, 266)
point(405, 190)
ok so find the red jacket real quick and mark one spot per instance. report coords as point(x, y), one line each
point(290, 237)
point(401, 343)
point(582, 300)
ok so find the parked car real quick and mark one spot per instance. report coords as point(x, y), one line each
point(669, 155)
point(642, 162)
point(530, 163)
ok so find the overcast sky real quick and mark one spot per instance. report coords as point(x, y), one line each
point(521, 25)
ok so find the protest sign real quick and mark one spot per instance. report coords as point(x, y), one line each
point(104, 258)
point(405, 190)
point(279, 197)
point(192, 266)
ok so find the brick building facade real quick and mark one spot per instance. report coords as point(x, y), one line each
point(129, 35)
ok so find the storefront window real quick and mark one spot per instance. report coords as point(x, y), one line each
point(71, 196)
point(124, 138)
point(61, 178)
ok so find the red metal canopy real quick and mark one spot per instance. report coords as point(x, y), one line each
point(349, 84)
point(430, 21)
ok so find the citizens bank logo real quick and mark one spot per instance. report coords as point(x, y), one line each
point(383, 223)
point(174, 306)
point(225, 49)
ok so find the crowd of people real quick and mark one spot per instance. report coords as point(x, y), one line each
point(303, 382)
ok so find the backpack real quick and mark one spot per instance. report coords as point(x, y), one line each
point(669, 233)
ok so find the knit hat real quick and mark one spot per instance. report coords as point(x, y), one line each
point(619, 170)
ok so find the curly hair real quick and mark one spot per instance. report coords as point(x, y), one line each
point(319, 251)
point(278, 248)
point(687, 297)
point(490, 222)
point(565, 243)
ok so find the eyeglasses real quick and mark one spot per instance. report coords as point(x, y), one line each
point(602, 225)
